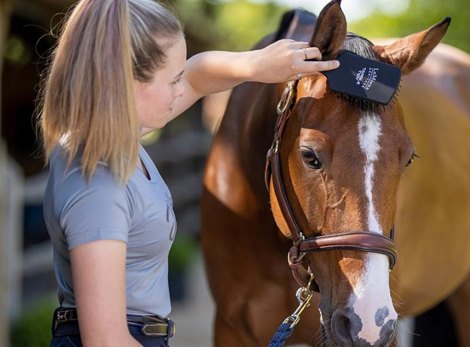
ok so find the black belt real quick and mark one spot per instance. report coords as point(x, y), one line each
point(150, 325)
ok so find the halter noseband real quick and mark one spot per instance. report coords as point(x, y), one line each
point(364, 241)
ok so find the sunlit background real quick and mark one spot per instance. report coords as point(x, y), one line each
point(27, 292)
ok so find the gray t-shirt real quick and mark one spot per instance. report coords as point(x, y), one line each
point(139, 213)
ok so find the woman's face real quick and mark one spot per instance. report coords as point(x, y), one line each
point(156, 99)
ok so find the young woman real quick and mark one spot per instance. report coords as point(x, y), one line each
point(118, 71)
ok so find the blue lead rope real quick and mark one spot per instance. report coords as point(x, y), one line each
point(286, 328)
point(282, 334)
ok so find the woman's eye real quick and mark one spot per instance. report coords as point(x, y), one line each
point(310, 158)
point(178, 80)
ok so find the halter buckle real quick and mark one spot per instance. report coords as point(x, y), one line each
point(275, 147)
point(295, 256)
point(286, 98)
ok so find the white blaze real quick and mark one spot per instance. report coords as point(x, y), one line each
point(370, 129)
point(371, 300)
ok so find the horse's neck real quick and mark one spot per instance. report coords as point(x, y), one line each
point(249, 120)
point(248, 127)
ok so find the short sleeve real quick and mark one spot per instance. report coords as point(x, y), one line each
point(96, 210)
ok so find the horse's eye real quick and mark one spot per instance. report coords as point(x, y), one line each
point(412, 159)
point(310, 158)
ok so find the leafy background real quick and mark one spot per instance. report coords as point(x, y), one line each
point(239, 24)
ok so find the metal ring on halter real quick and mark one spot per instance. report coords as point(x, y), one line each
point(286, 98)
point(299, 76)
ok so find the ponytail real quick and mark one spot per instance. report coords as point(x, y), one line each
point(88, 96)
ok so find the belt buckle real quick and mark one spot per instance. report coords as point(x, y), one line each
point(165, 328)
point(154, 329)
point(171, 328)
point(61, 316)
point(64, 315)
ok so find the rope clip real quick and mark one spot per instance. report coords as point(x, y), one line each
point(304, 295)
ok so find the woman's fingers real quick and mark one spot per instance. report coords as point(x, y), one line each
point(311, 67)
point(298, 44)
point(312, 53)
point(308, 59)
point(307, 52)
point(289, 59)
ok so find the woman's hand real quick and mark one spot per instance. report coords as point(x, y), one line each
point(287, 60)
point(216, 71)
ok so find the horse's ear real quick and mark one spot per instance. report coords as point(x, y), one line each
point(330, 30)
point(410, 52)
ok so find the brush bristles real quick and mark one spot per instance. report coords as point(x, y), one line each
point(365, 104)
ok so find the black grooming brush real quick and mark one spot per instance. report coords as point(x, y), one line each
point(363, 78)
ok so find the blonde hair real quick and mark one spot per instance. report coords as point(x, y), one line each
point(88, 95)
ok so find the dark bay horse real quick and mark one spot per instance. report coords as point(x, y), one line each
point(346, 167)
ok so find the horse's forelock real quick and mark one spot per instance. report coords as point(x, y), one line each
point(359, 45)
point(363, 47)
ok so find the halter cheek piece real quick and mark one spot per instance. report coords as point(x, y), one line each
point(364, 241)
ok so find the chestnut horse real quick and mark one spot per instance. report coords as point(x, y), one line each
point(345, 167)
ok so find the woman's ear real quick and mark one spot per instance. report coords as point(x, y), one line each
point(410, 52)
point(330, 30)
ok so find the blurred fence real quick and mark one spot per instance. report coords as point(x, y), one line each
point(10, 246)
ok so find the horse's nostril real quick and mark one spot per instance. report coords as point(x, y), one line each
point(346, 325)
point(345, 322)
point(387, 333)
point(342, 327)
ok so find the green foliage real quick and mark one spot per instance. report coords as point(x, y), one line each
point(239, 24)
point(245, 23)
point(33, 327)
point(230, 25)
point(419, 16)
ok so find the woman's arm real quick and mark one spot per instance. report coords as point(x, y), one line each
point(212, 72)
point(215, 71)
point(99, 280)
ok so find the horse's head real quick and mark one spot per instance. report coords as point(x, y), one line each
point(341, 163)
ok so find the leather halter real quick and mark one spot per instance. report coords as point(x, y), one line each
point(364, 241)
